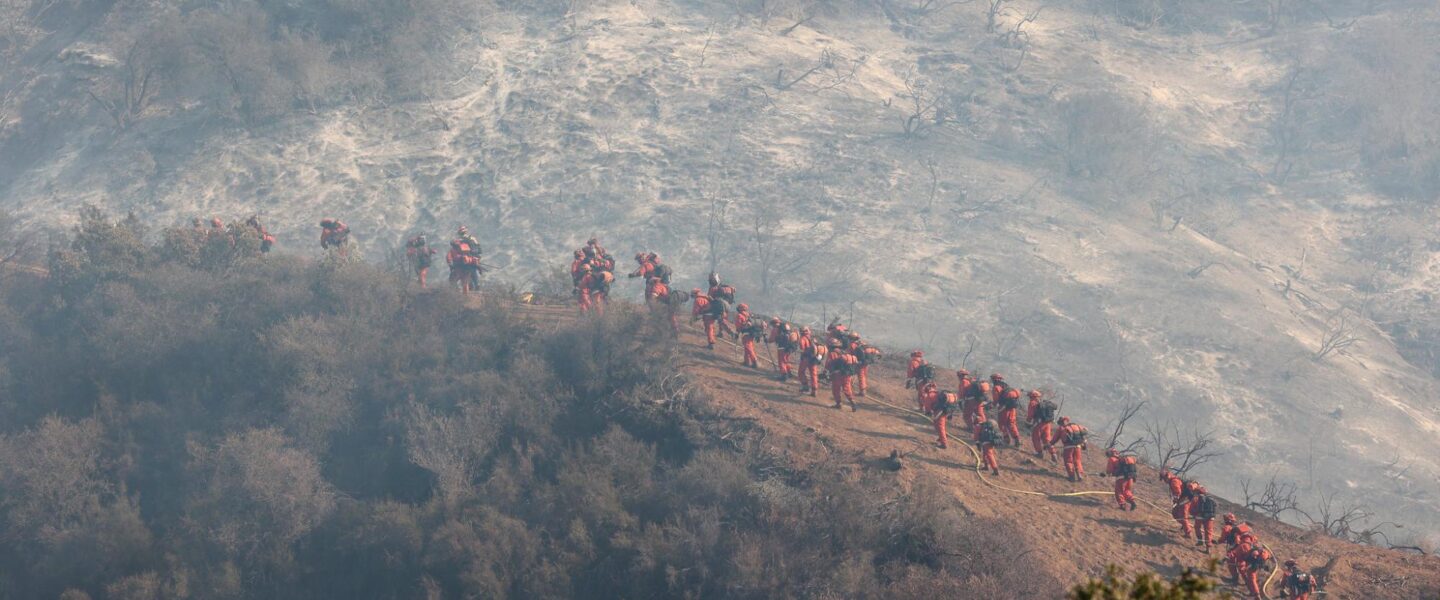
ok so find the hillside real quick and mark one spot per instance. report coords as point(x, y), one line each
point(1075, 537)
point(1085, 200)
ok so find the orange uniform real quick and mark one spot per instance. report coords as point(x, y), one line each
point(783, 349)
point(1071, 437)
point(1009, 402)
point(840, 365)
point(912, 372)
point(747, 341)
point(1122, 470)
point(942, 404)
point(704, 310)
point(1042, 424)
point(658, 296)
point(809, 364)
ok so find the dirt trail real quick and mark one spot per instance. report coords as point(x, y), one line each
point(1078, 535)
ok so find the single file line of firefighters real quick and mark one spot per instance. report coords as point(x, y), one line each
point(843, 355)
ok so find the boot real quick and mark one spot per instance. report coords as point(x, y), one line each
point(995, 472)
point(836, 406)
point(1132, 505)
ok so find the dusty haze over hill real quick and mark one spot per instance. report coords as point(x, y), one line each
point(1225, 212)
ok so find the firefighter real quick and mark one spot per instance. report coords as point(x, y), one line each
point(1297, 584)
point(1203, 508)
point(786, 340)
point(461, 263)
point(976, 392)
point(750, 330)
point(1071, 436)
point(1251, 565)
point(1042, 425)
point(334, 234)
point(987, 435)
point(644, 269)
point(865, 355)
point(841, 366)
point(575, 269)
point(944, 406)
point(598, 287)
point(1231, 533)
point(811, 355)
point(421, 255)
point(660, 298)
point(1123, 469)
point(707, 311)
point(1008, 400)
point(267, 241)
point(1185, 507)
point(917, 358)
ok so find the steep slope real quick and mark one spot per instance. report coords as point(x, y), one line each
point(649, 120)
point(1077, 535)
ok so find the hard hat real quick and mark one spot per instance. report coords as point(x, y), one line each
point(1064, 421)
point(775, 320)
point(1230, 518)
point(1112, 452)
point(714, 278)
point(1290, 564)
point(463, 230)
point(215, 222)
point(695, 291)
point(917, 354)
point(593, 242)
point(325, 222)
point(997, 377)
point(653, 256)
point(805, 330)
point(579, 254)
point(1034, 393)
point(639, 256)
point(743, 307)
point(962, 373)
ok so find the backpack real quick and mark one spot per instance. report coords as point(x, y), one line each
point(1009, 398)
point(724, 292)
point(973, 391)
point(1300, 582)
point(925, 372)
point(601, 282)
point(1075, 435)
point(1128, 468)
point(946, 402)
point(868, 355)
point(664, 272)
point(677, 297)
point(1258, 557)
point(1205, 508)
point(988, 435)
point(786, 338)
point(1045, 412)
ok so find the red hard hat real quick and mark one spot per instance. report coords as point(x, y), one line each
point(215, 222)
point(1064, 421)
point(1230, 518)
point(1034, 393)
point(743, 307)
